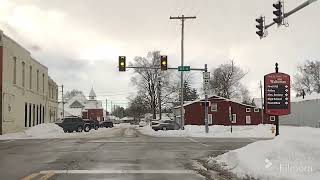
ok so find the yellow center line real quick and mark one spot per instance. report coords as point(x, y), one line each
point(31, 176)
point(47, 176)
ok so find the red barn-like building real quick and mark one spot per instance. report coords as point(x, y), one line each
point(219, 112)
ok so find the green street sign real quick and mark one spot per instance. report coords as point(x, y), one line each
point(183, 68)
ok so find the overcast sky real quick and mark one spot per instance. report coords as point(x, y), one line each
point(80, 40)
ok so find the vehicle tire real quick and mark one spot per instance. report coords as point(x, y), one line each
point(164, 128)
point(87, 128)
point(96, 127)
point(79, 129)
point(65, 131)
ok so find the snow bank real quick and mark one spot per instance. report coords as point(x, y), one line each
point(45, 130)
point(295, 154)
point(259, 131)
point(51, 130)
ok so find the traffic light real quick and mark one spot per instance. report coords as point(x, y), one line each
point(164, 63)
point(260, 27)
point(122, 63)
point(278, 12)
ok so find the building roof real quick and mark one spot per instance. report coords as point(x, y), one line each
point(214, 96)
point(93, 105)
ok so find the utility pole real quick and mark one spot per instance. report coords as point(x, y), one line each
point(262, 111)
point(159, 97)
point(62, 101)
point(182, 18)
point(106, 107)
point(206, 104)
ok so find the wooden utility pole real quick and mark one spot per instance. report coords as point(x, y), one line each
point(262, 111)
point(182, 18)
point(62, 101)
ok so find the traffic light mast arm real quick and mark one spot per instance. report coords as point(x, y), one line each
point(155, 67)
point(293, 11)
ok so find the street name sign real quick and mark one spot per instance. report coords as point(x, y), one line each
point(277, 94)
point(183, 68)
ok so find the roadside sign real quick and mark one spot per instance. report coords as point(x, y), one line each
point(206, 75)
point(183, 68)
point(277, 94)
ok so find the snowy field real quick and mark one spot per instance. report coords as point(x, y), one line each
point(50, 130)
point(260, 131)
point(295, 154)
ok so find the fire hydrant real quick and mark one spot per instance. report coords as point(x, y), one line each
point(273, 129)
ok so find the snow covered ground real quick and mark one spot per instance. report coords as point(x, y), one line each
point(295, 154)
point(49, 130)
point(260, 131)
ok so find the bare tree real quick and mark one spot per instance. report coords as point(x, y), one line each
point(308, 78)
point(73, 93)
point(147, 80)
point(226, 81)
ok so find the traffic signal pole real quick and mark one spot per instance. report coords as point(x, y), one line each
point(303, 5)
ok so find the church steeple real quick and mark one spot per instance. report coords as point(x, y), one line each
point(92, 95)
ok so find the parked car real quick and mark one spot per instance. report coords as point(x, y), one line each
point(106, 124)
point(94, 124)
point(165, 125)
point(74, 123)
point(142, 123)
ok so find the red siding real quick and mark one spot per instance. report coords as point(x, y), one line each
point(194, 113)
point(95, 113)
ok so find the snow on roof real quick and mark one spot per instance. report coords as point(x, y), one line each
point(93, 105)
point(257, 102)
point(214, 96)
point(308, 97)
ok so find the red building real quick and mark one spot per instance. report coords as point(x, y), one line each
point(93, 108)
point(219, 112)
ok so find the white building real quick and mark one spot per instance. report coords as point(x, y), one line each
point(304, 112)
point(80, 106)
point(28, 95)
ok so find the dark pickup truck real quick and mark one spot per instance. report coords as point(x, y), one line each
point(74, 123)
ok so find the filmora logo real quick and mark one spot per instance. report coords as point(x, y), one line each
point(268, 163)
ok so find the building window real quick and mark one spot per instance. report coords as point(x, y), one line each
point(214, 107)
point(248, 109)
point(23, 73)
point(272, 118)
point(234, 118)
point(248, 119)
point(26, 115)
point(14, 70)
point(37, 80)
point(43, 114)
point(30, 78)
point(256, 109)
point(43, 83)
point(37, 114)
point(209, 119)
point(34, 115)
point(29, 115)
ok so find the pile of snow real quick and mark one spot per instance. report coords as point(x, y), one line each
point(51, 130)
point(47, 130)
point(259, 131)
point(294, 154)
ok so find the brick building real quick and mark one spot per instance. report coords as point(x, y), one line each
point(219, 112)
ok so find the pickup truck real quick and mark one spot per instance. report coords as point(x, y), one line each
point(74, 123)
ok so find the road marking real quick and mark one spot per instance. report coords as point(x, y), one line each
point(48, 175)
point(31, 176)
point(198, 142)
point(119, 172)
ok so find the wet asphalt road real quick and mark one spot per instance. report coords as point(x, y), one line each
point(119, 153)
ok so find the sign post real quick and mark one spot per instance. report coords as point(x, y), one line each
point(277, 95)
point(206, 77)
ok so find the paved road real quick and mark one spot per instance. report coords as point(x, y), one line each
point(120, 153)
